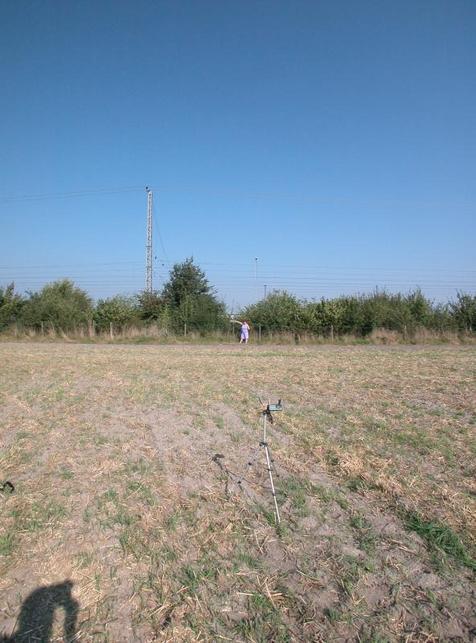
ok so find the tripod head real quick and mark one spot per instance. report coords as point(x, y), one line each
point(274, 407)
point(271, 408)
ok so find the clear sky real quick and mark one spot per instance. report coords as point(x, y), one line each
point(324, 147)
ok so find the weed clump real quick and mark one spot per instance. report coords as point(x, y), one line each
point(440, 537)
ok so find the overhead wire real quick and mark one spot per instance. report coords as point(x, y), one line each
point(300, 277)
point(305, 198)
point(67, 195)
point(233, 275)
point(248, 268)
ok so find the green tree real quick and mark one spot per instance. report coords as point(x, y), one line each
point(464, 311)
point(10, 306)
point(60, 305)
point(280, 311)
point(119, 311)
point(150, 305)
point(191, 299)
point(420, 309)
point(441, 318)
point(186, 282)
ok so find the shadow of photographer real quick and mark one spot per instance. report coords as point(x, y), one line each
point(37, 614)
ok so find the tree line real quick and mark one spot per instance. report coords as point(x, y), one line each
point(360, 315)
point(188, 303)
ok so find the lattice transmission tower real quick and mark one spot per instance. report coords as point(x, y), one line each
point(148, 245)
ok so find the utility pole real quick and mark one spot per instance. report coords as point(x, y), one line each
point(265, 286)
point(148, 246)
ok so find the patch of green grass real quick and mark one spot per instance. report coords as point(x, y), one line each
point(358, 521)
point(243, 558)
point(38, 515)
point(327, 494)
point(350, 574)
point(332, 459)
point(172, 520)
point(267, 514)
point(131, 542)
point(377, 425)
point(332, 614)
point(356, 484)
point(293, 490)
point(200, 421)
point(87, 515)
point(261, 602)
point(297, 491)
point(59, 394)
point(168, 554)
point(342, 501)
point(183, 514)
point(66, 474)
point(416, 438)
point(193, 574)
point(324, 494)
point(108, 496)
point(141, 491)
point(123, 517)
point(264, 622)
point(7, 543)
point(440, 537)
point(100, 440)
point(219, 421)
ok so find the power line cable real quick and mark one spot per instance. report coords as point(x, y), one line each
point(238, 267)
point(304, 197)
point(67, 195)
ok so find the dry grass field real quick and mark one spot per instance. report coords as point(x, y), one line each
point(122, 527)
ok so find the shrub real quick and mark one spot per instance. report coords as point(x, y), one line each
point(60, 305)
point(463, 311)
point(280, 311)
point(119, 311)
point(10, 306)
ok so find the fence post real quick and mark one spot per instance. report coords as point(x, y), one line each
point(332, 332)
point(111, 334)
point(259, 333)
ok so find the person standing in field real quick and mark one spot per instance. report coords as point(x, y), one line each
point(244, 331)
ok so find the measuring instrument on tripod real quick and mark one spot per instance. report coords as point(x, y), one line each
point(231, 476)
point(267, 414)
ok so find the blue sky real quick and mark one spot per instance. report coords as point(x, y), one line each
point(322, 147)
